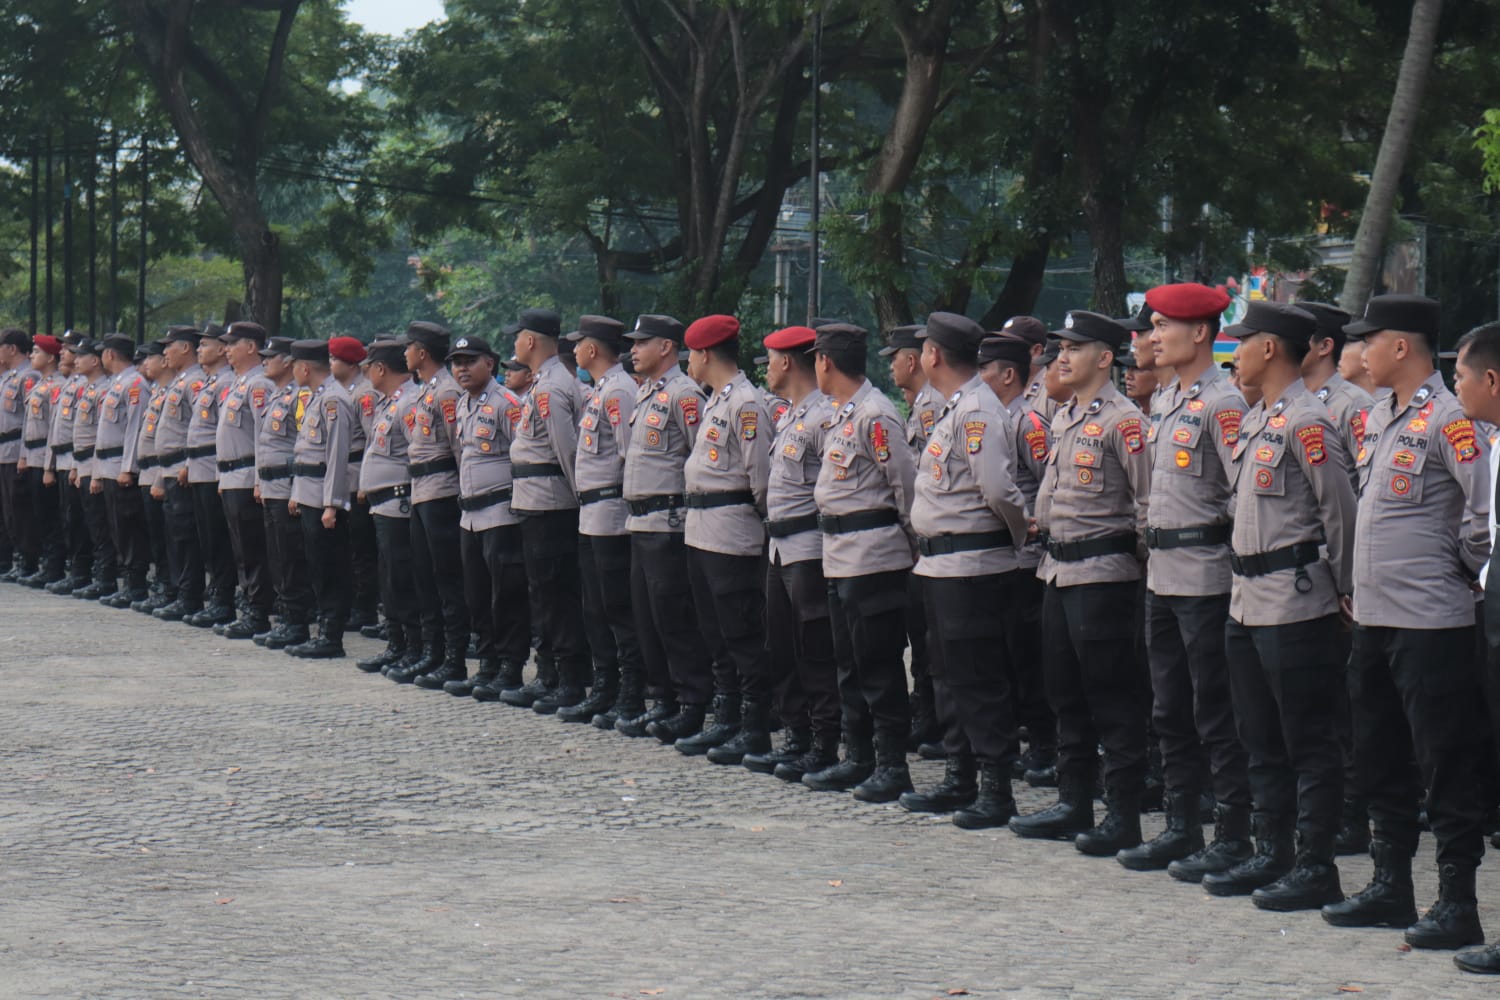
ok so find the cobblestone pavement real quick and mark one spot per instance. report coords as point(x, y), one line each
point(186, 816)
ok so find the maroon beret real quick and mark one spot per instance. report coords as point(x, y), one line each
point(346, 349)
point(1187, 301)
point(711, 331)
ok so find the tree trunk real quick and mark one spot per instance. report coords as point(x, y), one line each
point(260, 260)
point(1023, 285)
point(1105, 217)
point(1400, 126)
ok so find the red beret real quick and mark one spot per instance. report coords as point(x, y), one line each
point(48, 343)
point(346, 349)
point(791, 339)
point(1187, 301)
point(711, 330)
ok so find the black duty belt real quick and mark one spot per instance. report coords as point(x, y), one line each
point(61, 449)
point(199, 451)
point(357, 456)
point(236, 464)
point(171, 457)
point(83, 454)
point(149, 462)
point(311, 469)
point(34, 443)
point(1261, 563)
point(526, 470)
point(1109, 545)
point(7, 437)
point(943, 545)
point(432, 468)
point(860, 520)
point(586, 497)
point(377, 497)
point(789, 526)
point(1181, 538)
point(724, 498)
point(108, 453)
point(650, 505)
point(267, 472)
point(484, 500)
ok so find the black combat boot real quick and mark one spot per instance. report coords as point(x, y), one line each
point(726, 725)
point(246, 627)
point(285, 634)
point(217, 613)
point(65, 585)
point(527, 694)
point(395, 648)
point(572, 675)
point(329, 644)
point(1230, 846)
point(92, 591)
point(1484, 961)
point(376, 630)
point(486, 672)
point(754, 736)
point(924, 723)
point(1183, 836)
point(407, 670)
point(639, 725)
point(1271, 860)
point(175, 611)
point(1453, 921)
point(995, 805)
point(507, 678)
point(959, 788)
point(453, 668)
point(795, 741)
point(1120, 830)
point(1388, 901)
point(687, 722)
point(821, 753)
point(840, 776)
point(602, 695)
point(891, 778)
point(1354, 828)
point(630, 699)
point(1312, 884)
point(1072, 814)
point(1038, 757)
point(416, 652)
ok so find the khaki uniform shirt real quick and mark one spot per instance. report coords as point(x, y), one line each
point(434, 437)
point(1032, 433)
point(149, 471)
point(1349, 405)
point(323, 440)
point(15, 385)
point(1036, 395)
point(1195, 433)
point(663, 426)
point(60, 438)
point(86, 425)
point(603, 439)
point(244, 406)
point(120, 424)
point(925, 406)
point(203, 427)
point(865, 468)
point(1291, 487)
point(40, 403)
point(385, 450)
point(1097, 478)
point(277, 440)
point(732, 454)
point(966, 484)
point(774, 406)
point(796, 457)
point(1423, 513)
point(548, 435)
point(176, 413)
point(485, 433)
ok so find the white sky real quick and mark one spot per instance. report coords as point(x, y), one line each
point(392, 17)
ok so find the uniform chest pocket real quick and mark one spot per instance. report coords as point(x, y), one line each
point(234, 412)
point(1267, 469)
point(840, 457)
point(112, 411)
point(312, 424)
point(1184, 431)
point(12, 403)
point(715, 453)
point(943, 461)
point(1088, 469)
point(1400, 478)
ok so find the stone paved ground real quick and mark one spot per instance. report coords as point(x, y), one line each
point(185, 816)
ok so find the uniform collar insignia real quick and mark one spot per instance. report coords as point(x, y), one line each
point(1194, 389)
point(1322, 394)
point(1096, 406)
point(1421, 396)
point(1280, 405)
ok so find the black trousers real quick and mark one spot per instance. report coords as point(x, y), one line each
point(869, 634)
point(662, 600)
point(362, 556)
point(916, 636)
point(328, 567)
point(1417, 722)
point(437, 564)
point(799, 638)
point(79, 543)
point(156, 536)
point(45, 503)
point(968, 659)
point(495, 588)
point(1284, 680)
point(394, 565)
point(18, 517)
point(286, 558)
point(183, 548)
point(729, 595)
point(1192, 706)
point(1021, 625)
point(604, 572)
point(1096, 683)
point(127, 523)
point(213, 541)
point(247, 539)
point(550, 542)
point(102, 543)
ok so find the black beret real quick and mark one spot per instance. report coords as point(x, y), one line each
point(213, 331)
point(1049, 353)
point(1028, 328)
point(17, 338)
point(428, 335)
point(141, 354)
point(1081, 327)
point(953, 331)
point(276, 346)
point(1141, 321)
point(182, 335)
point(119, 343)
point(838, 337)
point(1331, 319)
point(388, 351)
point(153, 348)
point(1404, 313)
point(898, 338)
point(1287, 322)
point(1012, 349)
point(653, 325)
point(83, 346)
point(245, 330)
point(543, 321)
point(512, 365)
point(610, 332)
point(472, 347)
point(310, 350)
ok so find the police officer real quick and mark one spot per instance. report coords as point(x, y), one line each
point(1292, 492)
point(1089, 504)
point(345, 355)
point(200, 475)
point(546, 496)
point(180, 349)
point(432, 452)
point(663, 427)
point(243, 407)
point(725, 480)
point(85, 439)
point(77, 552)
point(864, 498)
point(490, 536)
point(275, 445)
point(1424, 507)
point(1035, 333)
point(41, 500)
point(163, 589)
point(619, 683)
point(115, 462)
point(970, 521)
point(1192, 440)
point(16, 384)
point(385, 485)
point(320, 494)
